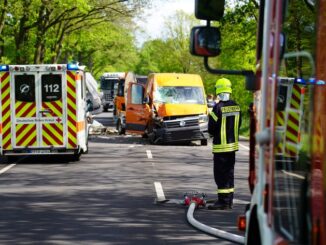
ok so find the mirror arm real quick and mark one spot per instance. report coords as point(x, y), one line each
point(247, 73)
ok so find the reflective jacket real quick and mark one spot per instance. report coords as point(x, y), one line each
point(224, 124)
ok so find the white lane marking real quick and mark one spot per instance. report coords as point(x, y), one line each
point(149, 154)
point(7, 168)
point(246, 147)
point(293, 174)
point(159, 191)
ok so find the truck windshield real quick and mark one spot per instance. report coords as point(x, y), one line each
point(108, 84)
point(179, 95)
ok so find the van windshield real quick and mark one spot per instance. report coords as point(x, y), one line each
point(179, 95)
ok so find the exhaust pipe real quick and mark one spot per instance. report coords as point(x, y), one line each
point(210, 230)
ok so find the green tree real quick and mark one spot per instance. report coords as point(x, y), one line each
point(41, 26)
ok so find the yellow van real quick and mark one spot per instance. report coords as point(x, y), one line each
point(171, 107)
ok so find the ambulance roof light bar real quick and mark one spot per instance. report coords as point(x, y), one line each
point(4, 68)
point(72, 67)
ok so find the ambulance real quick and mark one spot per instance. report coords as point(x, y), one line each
point(43, 110)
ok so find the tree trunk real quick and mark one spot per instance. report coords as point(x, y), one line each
point(57, 48)
point(20, 37)
point(2, 24)
point(43, 21)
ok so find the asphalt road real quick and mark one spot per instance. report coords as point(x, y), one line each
point(109, 196)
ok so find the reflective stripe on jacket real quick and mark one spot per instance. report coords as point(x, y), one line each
point(224, 123)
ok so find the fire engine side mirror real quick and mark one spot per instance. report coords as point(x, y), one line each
point(205, 41)
point(209, 9)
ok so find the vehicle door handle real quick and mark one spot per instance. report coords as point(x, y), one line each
point(45, 111)
point(131, 109)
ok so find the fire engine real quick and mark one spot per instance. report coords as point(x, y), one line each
point(288, 113)
point(43, 110)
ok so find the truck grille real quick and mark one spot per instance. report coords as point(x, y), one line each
point(108, 97)
point(181, 123)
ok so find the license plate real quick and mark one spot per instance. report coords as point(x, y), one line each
point(40, 151)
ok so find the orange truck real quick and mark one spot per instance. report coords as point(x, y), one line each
point(171, 107)
point(120, 101)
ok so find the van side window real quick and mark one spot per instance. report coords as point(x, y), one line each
point(51, 87)
point(25, 88)
point(136, 94)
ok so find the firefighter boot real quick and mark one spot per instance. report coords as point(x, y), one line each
point(224, 202)
point(218, 205)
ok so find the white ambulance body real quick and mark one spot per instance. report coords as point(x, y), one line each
point(43, 110)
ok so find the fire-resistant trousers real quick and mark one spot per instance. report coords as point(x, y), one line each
point(224, 176)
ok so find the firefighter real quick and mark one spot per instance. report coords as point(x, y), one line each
point(223, 124)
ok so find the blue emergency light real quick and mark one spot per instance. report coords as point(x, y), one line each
point(4, 68)
point(299, 81)
point(72, 67)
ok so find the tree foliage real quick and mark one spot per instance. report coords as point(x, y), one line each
point(34, 31)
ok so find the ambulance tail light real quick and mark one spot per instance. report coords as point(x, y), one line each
point(242, 222)
point(4, 68)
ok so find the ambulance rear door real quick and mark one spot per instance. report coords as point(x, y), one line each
point(39, 111)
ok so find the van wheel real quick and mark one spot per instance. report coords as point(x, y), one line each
point(203, 142)
point(75, 157)
point(12, 159)
point(120, 129)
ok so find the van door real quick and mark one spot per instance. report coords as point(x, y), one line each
point(51, 114)
point(136, 116)
point(24, 114)
point(39, 110)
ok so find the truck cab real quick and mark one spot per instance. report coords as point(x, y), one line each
point(171, 107)
point(108, 84)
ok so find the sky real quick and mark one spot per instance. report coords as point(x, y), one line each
point(153, 20)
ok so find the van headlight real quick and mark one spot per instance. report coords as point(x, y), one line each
point(203, 118)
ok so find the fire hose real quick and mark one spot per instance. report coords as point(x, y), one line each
point(195, 200)
point(210, 230)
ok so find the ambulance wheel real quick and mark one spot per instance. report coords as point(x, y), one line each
point(75, 157)
point(203, 142)
point(12, 159)
point(120, 129)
